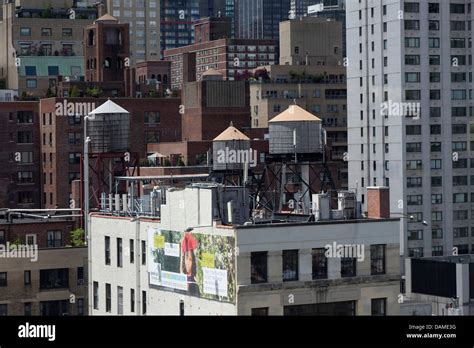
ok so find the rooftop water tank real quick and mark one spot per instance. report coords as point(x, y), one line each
point(109, 128)
point(295, 130)
point(231, 149)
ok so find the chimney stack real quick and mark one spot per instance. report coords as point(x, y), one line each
point(378, 203)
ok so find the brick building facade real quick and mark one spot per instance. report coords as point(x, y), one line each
point(20, 184)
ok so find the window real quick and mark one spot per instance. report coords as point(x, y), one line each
point(27, 309)
point(377, 259)
point(460, 180)
point(433, 8)
point(437, 233)
point(459, 129)
point(413, 147)
point(412, 60)
point(462, 249)
point(436, 164)
point(260, 311)
point(433, 25)
point(412, 42)
point(46, 32)
point(413, 130)
point(119, 252)
point(25, 31)
point(24, 117)
point(437, 250)
point(258, 261)
point(435, 129)
point(152, 117)
point(144, 303)
point(412, 25)
point(415, 252)
point(53, 70)
point(31, 83)
point(348, 267)
point(460, 215)
point(75, 158)
point(108, 298)
point(413, 94)
point(3, 310)
point(107, 250)
point(30, 70)
point(132, 300)
point(414, 165)
point(2, 237)
point(435, 60)
point(415, 234)
point(290, 265)
point(143, 252)
point(412, 77)
point(458, 94)
point(54, 278)
point(412, 7)
point(96, 295)
point(414, 200)
point(414, 182)
point(320, 263)
point(119, 300)
point(461, 232)
point(80, 275)
point(436, 147)
point(132, 251)
point(25, 137)
point(459, 111)
point(152, 137)
point(437, 198)
point(3, 279)
point(433, 42)
point(80, 307)
point(435, 77)
point(435, 94)
point(379, 307)
point(55, 239)
point(456, 8)
point(458, 26)
point(27, 277)
point(67, 31)
point(436, 216)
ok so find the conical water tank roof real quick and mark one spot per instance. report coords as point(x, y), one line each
point(109, 128)
point(230, 150)
point(295, 130)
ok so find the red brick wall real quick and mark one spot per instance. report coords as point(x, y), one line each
point(378, 202)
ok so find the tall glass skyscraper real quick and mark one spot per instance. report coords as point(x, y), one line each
point(177, 17)
point(260, 19)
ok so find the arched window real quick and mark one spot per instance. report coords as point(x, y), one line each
point(108, 63)
point(165, 80)
point(88, 64)
point(159, 78)
point(94, 64)
point(153, 76)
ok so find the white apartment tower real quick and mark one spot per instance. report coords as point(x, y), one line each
point(410, 106)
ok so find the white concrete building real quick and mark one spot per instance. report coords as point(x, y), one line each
point(409, 102)
point(189, 260)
